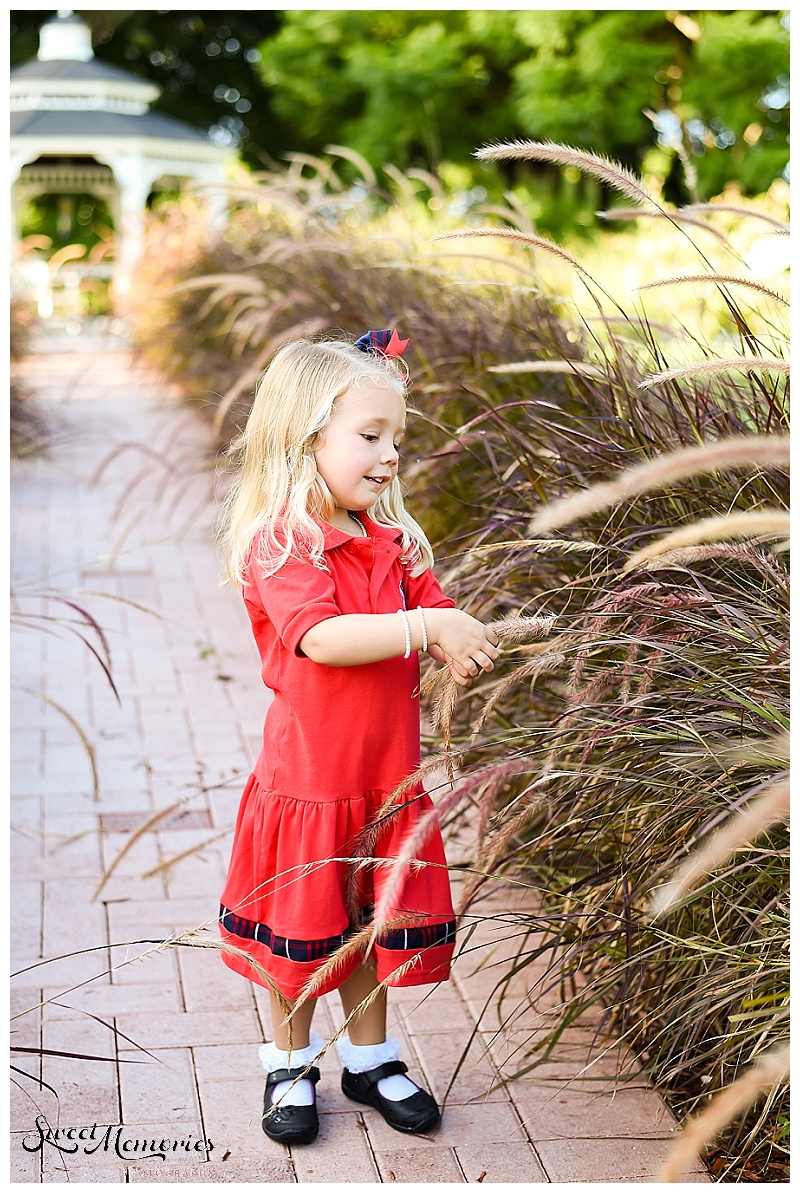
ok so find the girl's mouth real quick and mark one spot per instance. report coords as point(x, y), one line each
point(377, 480)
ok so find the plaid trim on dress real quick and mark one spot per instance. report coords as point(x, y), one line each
point(422, 937)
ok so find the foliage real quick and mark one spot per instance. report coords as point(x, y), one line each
point(739, 90)
point(589, 75)
point(584, 76)
point(65, 220)
point(658, 708)
point(593, 76)
point(422, 88)
point(345, 76)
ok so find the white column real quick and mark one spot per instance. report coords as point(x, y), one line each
point(210, 184)
point(215, 199)
point(134, 175)
point(17, 161)
point(30, 276)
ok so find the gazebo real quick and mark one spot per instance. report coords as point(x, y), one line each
point(81, 126)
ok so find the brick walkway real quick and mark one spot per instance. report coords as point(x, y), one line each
point(118, 518)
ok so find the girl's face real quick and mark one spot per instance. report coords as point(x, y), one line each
point(358, 453)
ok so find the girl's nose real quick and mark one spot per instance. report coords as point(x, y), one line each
point(390, 455)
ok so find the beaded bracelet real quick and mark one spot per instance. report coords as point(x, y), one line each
point(424, 628)
point(407, 628)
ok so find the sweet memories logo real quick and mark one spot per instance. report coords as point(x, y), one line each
point(113, 1140)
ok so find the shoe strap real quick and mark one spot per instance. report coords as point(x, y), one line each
point(278, 1075)
point(373, 1076)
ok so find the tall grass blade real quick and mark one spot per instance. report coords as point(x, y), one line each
point(748, 823)
point(759, 524)
point(770, 1070)
point(741, 451)
point(90, 751)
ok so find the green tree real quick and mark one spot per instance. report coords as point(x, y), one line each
point(418, 87)
point(422, 87)
point(588, 76)
point(738, 90)
point(409, 87)
point(721, 77)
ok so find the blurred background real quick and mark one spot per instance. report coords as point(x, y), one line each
point(698, 103)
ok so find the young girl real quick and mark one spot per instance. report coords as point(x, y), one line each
point(337, 580)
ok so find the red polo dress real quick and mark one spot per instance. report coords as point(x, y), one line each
point(337, 741)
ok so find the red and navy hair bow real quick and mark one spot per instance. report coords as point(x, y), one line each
point(387, 343)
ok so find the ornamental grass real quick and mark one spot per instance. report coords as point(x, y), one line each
point(621, 478)
point(29, 430)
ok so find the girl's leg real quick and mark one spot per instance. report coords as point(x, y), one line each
point(366, 1046)
point(368, 1027)
point(300, 1024)
point(290, 1114)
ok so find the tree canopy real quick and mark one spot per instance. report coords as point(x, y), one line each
point(423, 87)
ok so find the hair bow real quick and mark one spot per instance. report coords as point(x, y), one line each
point(387, 342)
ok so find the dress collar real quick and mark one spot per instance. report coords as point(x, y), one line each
point(335, 537)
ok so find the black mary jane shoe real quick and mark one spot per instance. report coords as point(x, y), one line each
point(290, 1124)
point(418, 1112)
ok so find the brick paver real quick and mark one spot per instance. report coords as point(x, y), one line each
point(118, 518)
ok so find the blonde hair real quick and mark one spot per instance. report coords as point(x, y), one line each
point(278, 490)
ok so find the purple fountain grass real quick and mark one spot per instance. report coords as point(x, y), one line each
point(715, 368)
point(755, 524)
point(769, 1072)
point(766, 451)
point(738, 209)
point(609, 172)
point(491, 778)
point(527, 239)
point(768, 808)
point(613, 746)
point(723, 279)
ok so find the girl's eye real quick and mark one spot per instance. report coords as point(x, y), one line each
point(371, 438)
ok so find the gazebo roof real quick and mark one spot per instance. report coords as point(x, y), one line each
point(102, 124)
point(69, 68)
point(64, 94)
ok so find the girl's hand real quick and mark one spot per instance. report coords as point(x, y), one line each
point(456, 638)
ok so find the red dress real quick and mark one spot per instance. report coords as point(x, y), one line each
point(337, 741)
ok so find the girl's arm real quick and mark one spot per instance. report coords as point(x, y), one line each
point(355, 638)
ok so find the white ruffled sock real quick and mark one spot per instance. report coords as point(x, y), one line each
point(291, 1093)
point(360, 1058)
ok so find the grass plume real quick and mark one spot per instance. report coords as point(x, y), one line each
point(770, 1070)
point(754, 524)
point(762, 451)
point(716, 368)
point(760, 814)
point(609, 172)
point(720, 279)
point(527, 239)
